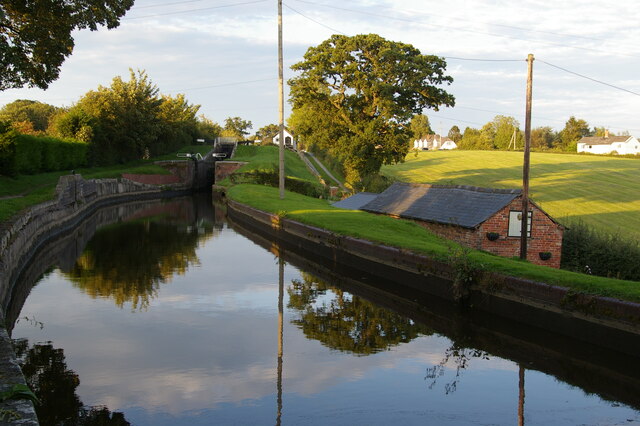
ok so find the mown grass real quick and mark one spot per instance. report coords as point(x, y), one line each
point(327, 179)
point(266, 158)
point(406, 234)
point(600, 191)
point(30, 190)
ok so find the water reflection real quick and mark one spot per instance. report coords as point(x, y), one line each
point(128, 262)
point(458, 358)
point(345, 322)
point(211, 347)
point(45, 370)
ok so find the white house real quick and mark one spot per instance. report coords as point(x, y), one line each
point(609, 144)
point(434, 142)
point(289, 140)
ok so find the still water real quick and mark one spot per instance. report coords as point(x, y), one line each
point(170, 316)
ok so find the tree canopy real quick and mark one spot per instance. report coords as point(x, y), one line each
point(124, 120)
point(28, 116)
point(420, 126)
point(236, 127)
point(36, 35)
point(355, 97)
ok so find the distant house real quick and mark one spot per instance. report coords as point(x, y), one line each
point(289, 140)
point(434, 142)
point(481, 218)
point(609, 145)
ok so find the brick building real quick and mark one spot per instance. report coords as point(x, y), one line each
point(481, 218)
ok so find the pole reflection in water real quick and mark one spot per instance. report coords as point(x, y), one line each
point(280, 333)
point(520, 395)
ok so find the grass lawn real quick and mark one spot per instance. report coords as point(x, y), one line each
point(27, 190)
point(267, 158)
point(406, 234)
point(601, 191)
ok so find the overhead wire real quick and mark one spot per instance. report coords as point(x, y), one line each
point(195, 10)
point(589, 78)
point(312, 20)
point(449, 28)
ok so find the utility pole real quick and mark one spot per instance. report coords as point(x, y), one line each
point(280, 103)
point(525, 169)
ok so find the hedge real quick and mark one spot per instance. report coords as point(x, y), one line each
point(28, 154)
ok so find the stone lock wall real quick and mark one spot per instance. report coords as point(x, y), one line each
point(225, 168)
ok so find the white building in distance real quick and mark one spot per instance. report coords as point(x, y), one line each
point(606, 144)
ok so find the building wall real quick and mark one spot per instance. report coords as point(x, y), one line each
point(546, 236)
point(631, 146)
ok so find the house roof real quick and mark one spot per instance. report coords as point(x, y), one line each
point(356, 201)
point(438, 138)
point(601, 140)
point(465, 206)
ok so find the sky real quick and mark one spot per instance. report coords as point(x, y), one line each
point(222, 54)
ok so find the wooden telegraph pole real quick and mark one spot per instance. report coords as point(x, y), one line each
point(281, 103)
point(525, 169)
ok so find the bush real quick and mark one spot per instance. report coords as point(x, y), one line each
point(7, 150)
point(37, 154)
point(587, 249)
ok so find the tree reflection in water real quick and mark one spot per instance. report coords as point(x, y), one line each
point(127, 262)
point(47, 375)
point(345, 322)
point(460, 356)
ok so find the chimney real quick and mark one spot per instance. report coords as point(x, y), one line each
point(606, 133)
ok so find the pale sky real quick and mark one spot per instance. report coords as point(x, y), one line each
point(223, 55)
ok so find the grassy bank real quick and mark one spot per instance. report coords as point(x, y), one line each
point(600, 191)
point(23, 191)
point(406, 234)
point(266, 158)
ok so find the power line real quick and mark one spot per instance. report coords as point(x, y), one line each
point(589, 78)
point(165, 4)
point(196, 10)
point(548, 43)
point(237, 83)
point(313, 20)
point(484, 60)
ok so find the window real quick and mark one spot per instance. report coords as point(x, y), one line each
point(515, 223)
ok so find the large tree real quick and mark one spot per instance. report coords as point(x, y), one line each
point(454, 134)
point(366, 90)
point(36, 35)
point(574, 130)
point(236, 127)
point(420, 126)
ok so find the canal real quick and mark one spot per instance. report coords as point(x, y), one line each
point(163, 313)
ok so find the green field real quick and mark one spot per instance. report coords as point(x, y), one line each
point(601, 191)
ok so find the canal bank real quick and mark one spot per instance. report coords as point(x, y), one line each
point(607, 322)
point(22, 237)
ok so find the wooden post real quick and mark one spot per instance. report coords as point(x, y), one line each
point(525, 169)
point(280, 103)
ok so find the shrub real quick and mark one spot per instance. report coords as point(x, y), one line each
point(36, 154)
point(7, 150)
point(587, 249)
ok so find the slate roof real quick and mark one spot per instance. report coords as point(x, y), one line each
point(356, 201)
point(599, 140)
point(465, 206)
